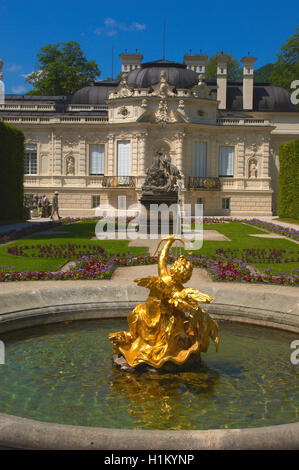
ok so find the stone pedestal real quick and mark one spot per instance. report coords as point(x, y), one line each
point(156, 197)
point(192, 363)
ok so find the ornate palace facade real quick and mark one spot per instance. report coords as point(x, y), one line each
point(95, 146)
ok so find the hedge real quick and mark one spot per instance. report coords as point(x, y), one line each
point(11, 172)
point(288, 180)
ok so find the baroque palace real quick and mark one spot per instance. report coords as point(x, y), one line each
point(95, 146)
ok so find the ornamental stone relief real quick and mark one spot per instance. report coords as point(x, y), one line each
point(70, 165)
point(163, 88)
point(252, 168)
point(122, 90)
point(201, 90)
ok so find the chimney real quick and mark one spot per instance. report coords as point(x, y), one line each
point(248, 82)
point(130, 61)
point(196, 62)
point(222, 80)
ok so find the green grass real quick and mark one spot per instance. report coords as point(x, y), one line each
point(82, 232)
point(79, 233)
point(239, 234)
point(286, 219)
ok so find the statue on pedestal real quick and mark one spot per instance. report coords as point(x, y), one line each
point(162, 176)
point(170, 326)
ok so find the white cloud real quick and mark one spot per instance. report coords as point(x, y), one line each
point(139, 26)
point(110, 22)
point(13, 68)
point(19, 89)
point(111, 27)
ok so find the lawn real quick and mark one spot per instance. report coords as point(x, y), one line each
point(80, 233)
point(287, 219)
point(239, 234)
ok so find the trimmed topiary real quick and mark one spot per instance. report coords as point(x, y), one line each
point(11, 172)
point(288, 180)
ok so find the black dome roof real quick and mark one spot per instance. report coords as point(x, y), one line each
point(266, 97)
point(150, 74)
point(94, 94)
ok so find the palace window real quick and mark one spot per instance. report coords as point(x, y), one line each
point(123, 158)
point(96, 159)
point(95, 201)
point(226, 203)
point(200, 200)
point(200, 159)
point(226, 161)
point(30, 160)
point(122, 203)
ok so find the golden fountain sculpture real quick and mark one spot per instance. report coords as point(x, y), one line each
point(170, 326)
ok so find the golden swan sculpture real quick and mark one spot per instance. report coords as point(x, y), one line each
point(170, 326)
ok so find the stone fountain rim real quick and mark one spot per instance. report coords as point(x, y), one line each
point(51, 305)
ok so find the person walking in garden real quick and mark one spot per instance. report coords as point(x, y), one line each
point(45, 206)
point(55, 208)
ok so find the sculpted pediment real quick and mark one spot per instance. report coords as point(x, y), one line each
point(122, 90)
point(163, 88)
point(201, 90)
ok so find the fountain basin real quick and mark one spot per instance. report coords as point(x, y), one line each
point(94, 300)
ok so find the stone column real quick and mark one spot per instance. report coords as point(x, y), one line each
point(179, 160)
point(110, 166)
point(134, 167)
point(57, 164)
point(241, 159)
point(213, 158)
point(266, 156)
point(82, 164)
point(141, 156)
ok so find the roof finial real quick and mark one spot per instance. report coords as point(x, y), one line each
point(190, 50)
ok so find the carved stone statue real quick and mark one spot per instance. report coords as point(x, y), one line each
point(252, 169)
point(70, 166)
point(162, 176)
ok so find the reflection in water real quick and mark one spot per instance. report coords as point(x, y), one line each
point(160, 399)
point(63, 373)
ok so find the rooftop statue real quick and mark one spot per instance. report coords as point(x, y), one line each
point(170, 326)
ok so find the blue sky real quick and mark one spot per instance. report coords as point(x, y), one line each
point(260, 27)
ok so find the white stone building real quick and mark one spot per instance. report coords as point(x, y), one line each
point(96, 144)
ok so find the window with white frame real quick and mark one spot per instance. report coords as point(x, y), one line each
point(30, 167)
point(122, 203)
point(200, 159)
point(226, 160)
point(226, 203)
point(123, 158)
point(95, 201)
point(96, 159)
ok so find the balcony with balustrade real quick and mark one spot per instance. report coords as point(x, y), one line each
point(206, 183)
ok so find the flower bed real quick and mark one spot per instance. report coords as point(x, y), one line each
point(279, 229)
point(50, 250)
point(16, 234)
point(260, 255)
point(95, 267)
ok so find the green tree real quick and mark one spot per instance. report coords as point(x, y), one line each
point(263, 74)
point(62, 69)
point(286, 68)
point(288, 180)
point(12, 172)
point(234, 69)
